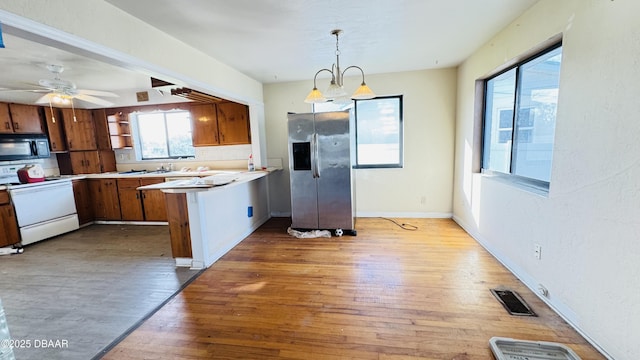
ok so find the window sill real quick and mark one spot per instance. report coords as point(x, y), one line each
point(528, 185)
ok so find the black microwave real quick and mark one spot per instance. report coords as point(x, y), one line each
point(23, 147)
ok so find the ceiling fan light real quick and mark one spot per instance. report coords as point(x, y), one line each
point(363, 93)
point(315, 96)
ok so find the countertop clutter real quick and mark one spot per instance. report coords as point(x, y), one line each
point(220, 178)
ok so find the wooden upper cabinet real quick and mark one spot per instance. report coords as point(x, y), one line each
point(55, 130)
point(6, 126)
point(103, 140)
point(86, 162)
point(26, 119)
point(233, 123)
point(80, 131)
point(204, 125)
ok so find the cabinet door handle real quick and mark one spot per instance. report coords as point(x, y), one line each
point(137, 196)
point(16, 125)
point(70, 144)
point(7, 125)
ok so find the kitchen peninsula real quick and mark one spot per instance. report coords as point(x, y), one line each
point(209, 216)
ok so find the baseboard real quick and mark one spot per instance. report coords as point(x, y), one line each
point(530, 282)
point(183, 262)
point(416, 215)
point(120, 222)
point(281, 214)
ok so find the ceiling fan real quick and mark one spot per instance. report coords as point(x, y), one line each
point(62, 92)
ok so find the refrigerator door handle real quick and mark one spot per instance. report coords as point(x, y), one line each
point(316, 155)
point(313, 155)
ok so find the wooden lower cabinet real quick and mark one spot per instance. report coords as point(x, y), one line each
point(130, 201)
point(9, 233)
point(104, 193)
point(179, 232)
point(83, 201)
point(153, 201)
point(141, 205)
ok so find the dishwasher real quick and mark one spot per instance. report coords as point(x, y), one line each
point(44, 209)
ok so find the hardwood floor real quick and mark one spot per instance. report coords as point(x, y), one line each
point(387, 293)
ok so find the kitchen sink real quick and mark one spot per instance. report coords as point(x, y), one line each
point(204, 172)
point(133, 172)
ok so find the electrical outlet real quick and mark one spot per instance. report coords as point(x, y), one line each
point(423, 200)
point(543, 290)
point(537, 251)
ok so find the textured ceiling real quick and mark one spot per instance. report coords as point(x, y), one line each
point(276, 40)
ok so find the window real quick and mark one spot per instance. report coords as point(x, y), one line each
point(165, 135)
point(377, 128)
point(520, 118)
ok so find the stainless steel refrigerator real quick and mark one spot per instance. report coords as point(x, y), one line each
point(320, 172)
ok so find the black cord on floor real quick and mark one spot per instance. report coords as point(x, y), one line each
point(404, 226)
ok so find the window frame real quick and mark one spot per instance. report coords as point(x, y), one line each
point(400, 163)
point(535, 184)
point(139, 137)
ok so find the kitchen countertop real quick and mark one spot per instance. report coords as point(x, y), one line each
point(162, 174)
point(187, 175)
point(218, 180)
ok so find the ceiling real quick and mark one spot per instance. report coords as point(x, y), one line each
point(276, 41)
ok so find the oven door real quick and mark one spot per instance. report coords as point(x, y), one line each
point(44, 210)
point(40, 203)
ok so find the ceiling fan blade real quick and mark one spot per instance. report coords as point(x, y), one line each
point(97, 93)
point(56, 84)
point(93, 99)
point(24, 90)
point(44, 99)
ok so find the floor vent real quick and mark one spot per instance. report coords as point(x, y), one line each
point(513, 302)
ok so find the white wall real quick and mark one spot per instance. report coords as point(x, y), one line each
point(589, 224)
point(423, 188)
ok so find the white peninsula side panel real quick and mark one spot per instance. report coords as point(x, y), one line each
point(222, 217)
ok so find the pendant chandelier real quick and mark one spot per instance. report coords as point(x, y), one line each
point(336, 91)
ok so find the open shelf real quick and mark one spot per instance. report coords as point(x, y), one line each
point(119, 132)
